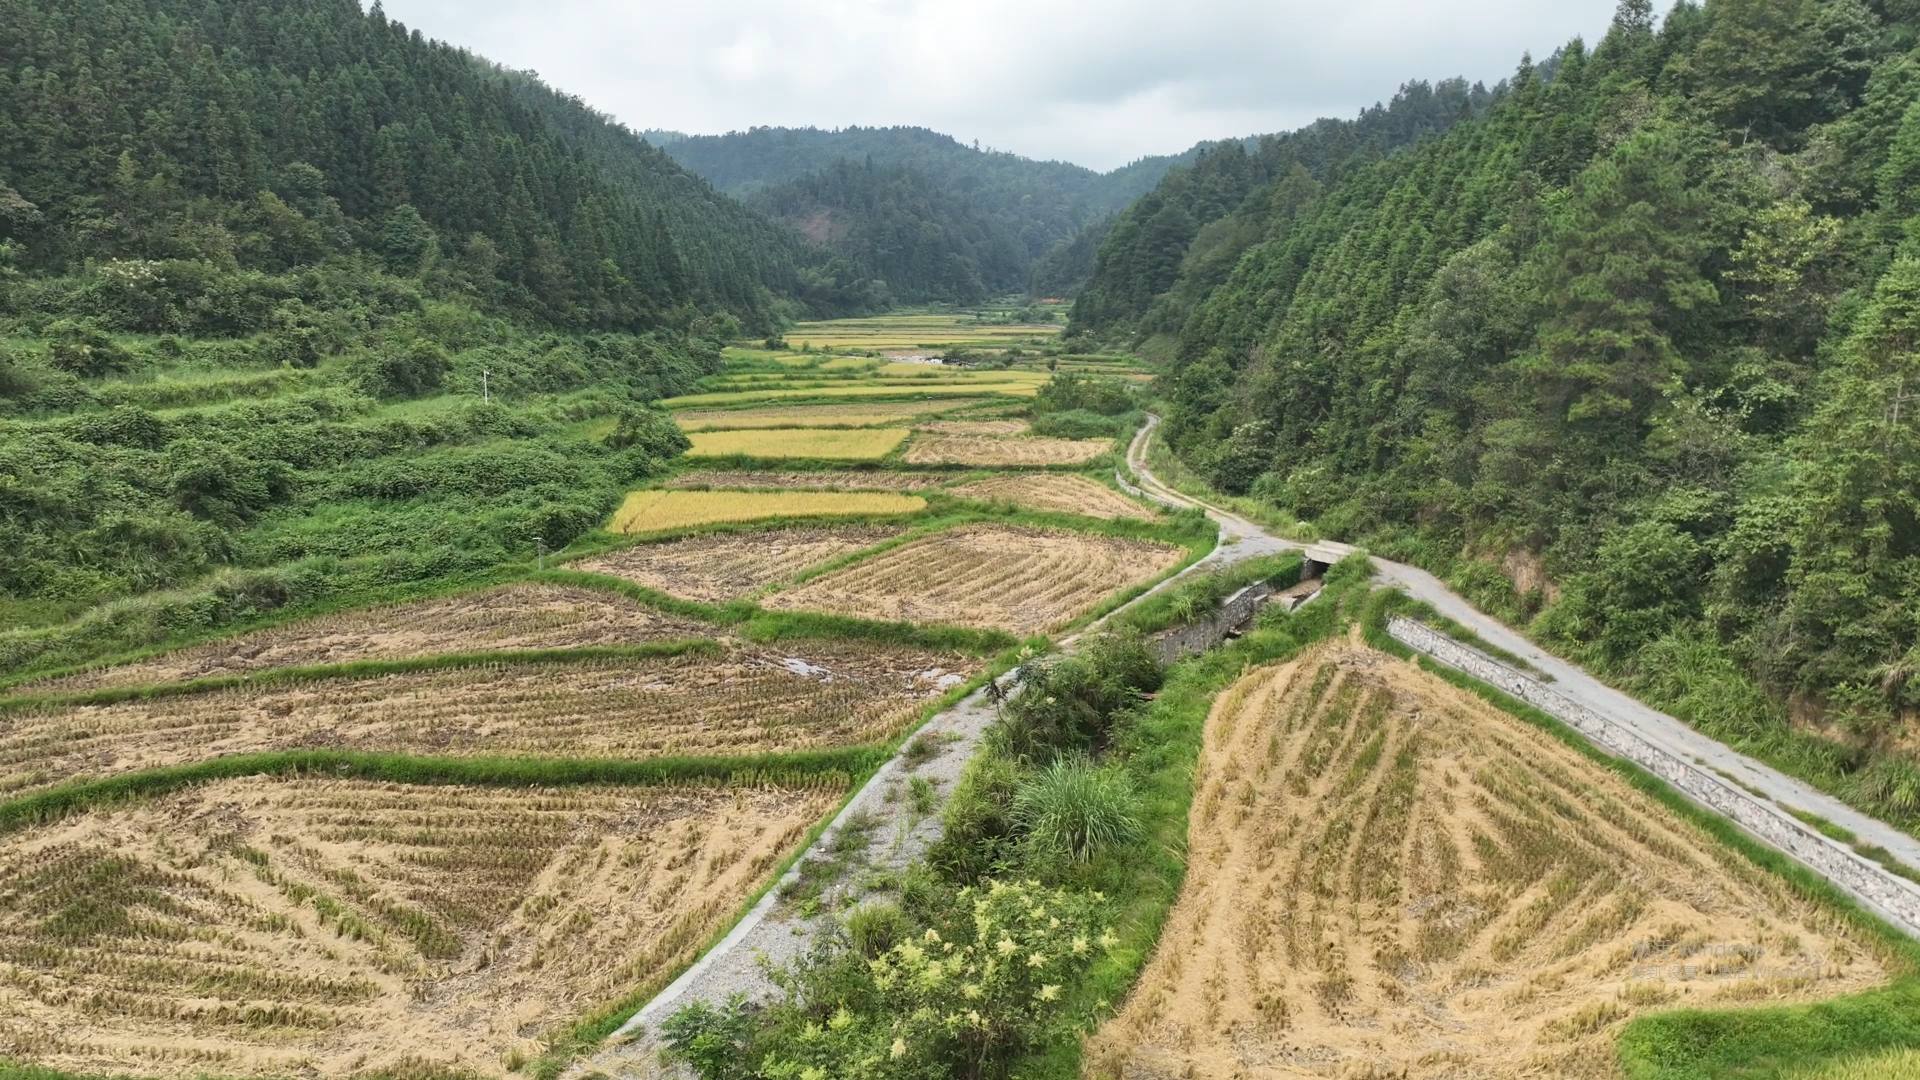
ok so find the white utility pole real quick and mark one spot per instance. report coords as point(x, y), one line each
point(486, 396)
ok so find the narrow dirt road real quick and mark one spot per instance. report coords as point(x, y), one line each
point(1570, 681)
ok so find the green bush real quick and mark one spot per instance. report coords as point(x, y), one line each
point(1070, 391)
point(1080, 424)
point(1068, 705)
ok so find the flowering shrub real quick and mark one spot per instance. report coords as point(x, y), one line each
point(989, 981)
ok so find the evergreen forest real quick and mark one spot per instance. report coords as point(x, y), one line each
point(1627, 354)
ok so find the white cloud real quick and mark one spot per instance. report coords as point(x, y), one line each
point(1099, 83)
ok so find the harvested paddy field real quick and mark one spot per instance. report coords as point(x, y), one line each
point(801, 416)
point(849, 480)
point(509, 618)
point(655, 511)
point(903, 389)
point(288, 927)
point(976, 427)
point(985, 451)
point(999, 577)
point(740, 700)
point(1389, 877)
point(727, 566)
point(829, 444)
point(911, 333)
point(1063, 493)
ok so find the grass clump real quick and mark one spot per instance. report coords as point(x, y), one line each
point(1073, 809)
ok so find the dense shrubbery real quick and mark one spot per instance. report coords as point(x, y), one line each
point(981, 983)
point(1070, 391)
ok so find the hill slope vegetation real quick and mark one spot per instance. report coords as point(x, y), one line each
point(1633, 352)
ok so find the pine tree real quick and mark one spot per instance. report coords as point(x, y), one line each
point(1623, 259)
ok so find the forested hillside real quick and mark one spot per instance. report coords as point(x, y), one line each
point(899, 226)
point(1632, 357)
point(264, 136)
point(1168, 249)
point(296, 304)
point(988, 215)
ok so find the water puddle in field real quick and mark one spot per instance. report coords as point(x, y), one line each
point(811, 671)
point(942, 679)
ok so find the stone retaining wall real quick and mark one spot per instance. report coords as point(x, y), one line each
point(1893, 897)
point(1235, 612)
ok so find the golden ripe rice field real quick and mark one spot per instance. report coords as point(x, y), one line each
point(280, 927)
point(859, 444)
point(982, 451)
point(1063, 493)
point(742, 700)
point(839, 480)
point(655, 511)
point(903, 390)
point(913, 332)
point(1388, 876)
point(800, 416)
point(719, 567)
point(512, 617)
point(999, 577)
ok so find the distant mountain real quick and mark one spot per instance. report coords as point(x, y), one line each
point(974, 201)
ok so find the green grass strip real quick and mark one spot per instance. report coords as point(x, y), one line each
point(359, 669)
point(798, 768)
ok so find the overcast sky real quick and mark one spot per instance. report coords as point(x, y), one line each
point(1098, 82)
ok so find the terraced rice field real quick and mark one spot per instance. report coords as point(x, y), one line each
point(898, 389)
point(1022, 580)
point(1389, 877)
point(832, 444)
point(655, 511)
point(727, 566)
point(982, 451)
point(801, 416)
point(976, 427)
point(842, 480)
point(512, 617)
point(1062, 493)
point(284, 927)
point(913, 333)
point(740, 700)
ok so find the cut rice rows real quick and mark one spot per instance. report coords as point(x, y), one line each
point(277, 927)
point(509, 618)
point(741, 700)
point(727, 566)
point(1064, 493)
point(1388, 874)
point(1013, 578)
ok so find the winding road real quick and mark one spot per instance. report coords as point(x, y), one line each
point(1568, 680)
